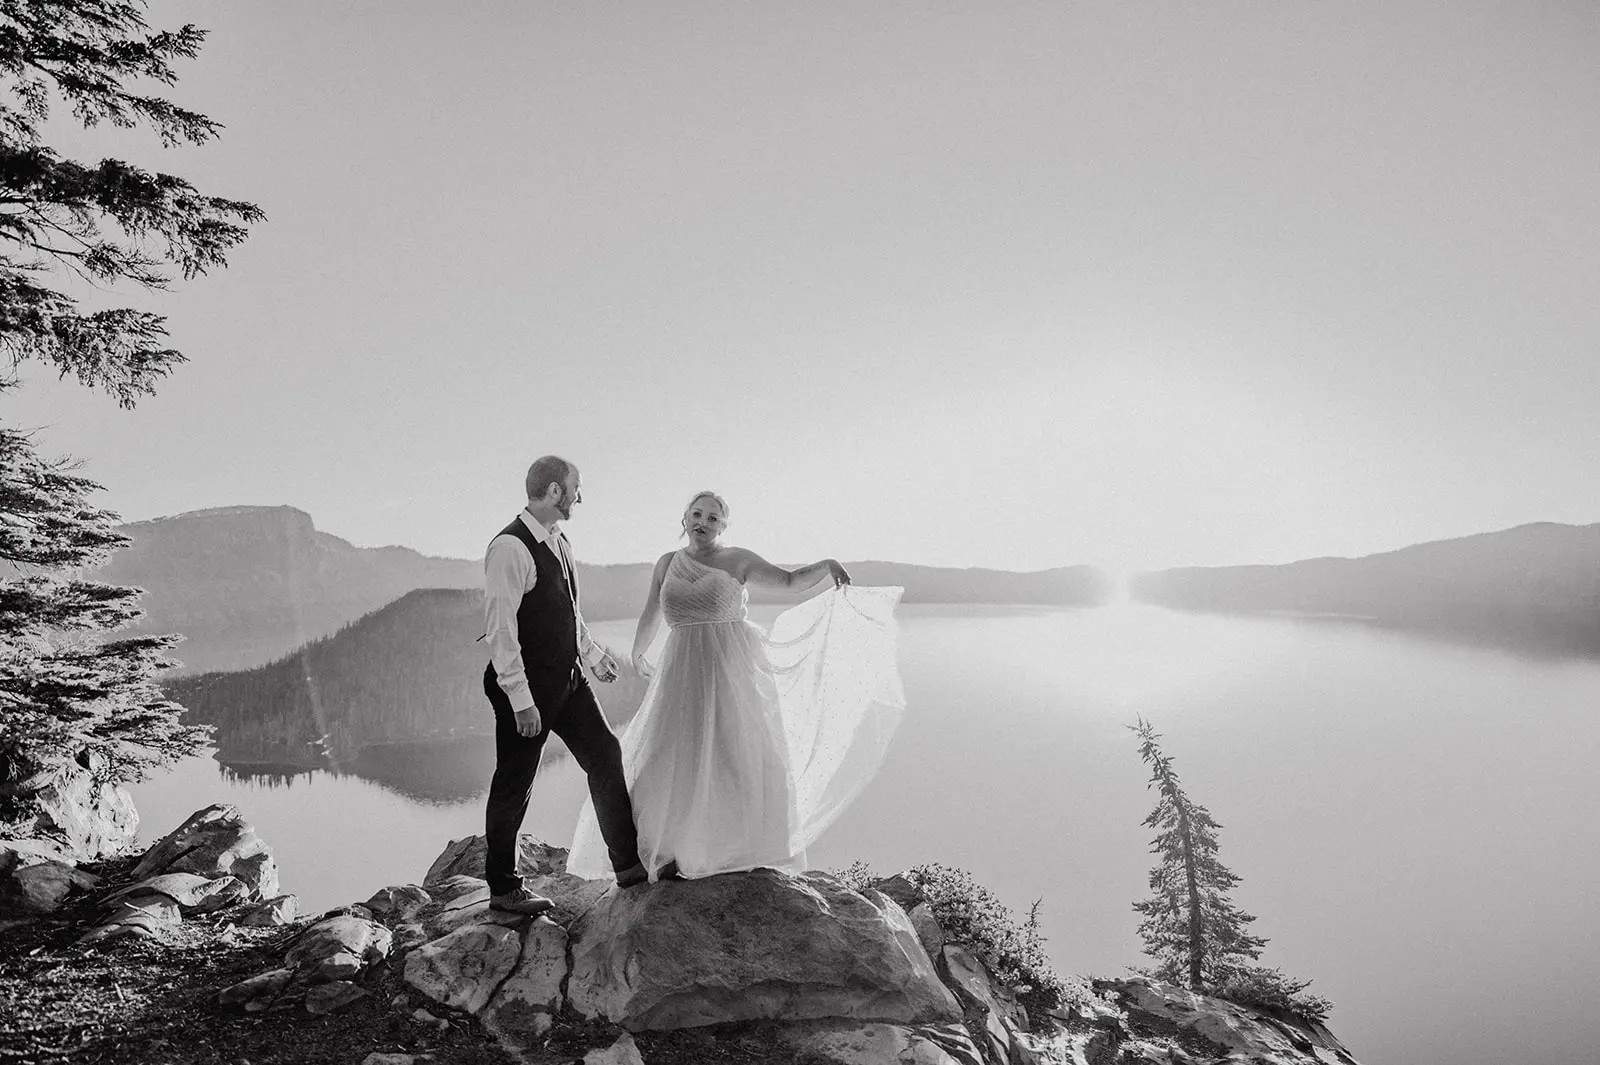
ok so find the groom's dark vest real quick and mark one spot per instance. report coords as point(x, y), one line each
point(547, 623)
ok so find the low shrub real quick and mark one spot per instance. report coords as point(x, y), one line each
point(1257, 985)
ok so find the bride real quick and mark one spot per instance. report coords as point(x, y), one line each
point(749, 743)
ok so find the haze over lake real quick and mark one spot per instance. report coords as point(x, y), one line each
point(1410, 818)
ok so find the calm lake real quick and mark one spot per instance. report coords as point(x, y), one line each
point(1414, 822)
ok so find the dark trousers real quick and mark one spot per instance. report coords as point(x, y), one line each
point(570, 711)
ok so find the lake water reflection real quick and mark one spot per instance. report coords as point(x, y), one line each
point(1413, 821)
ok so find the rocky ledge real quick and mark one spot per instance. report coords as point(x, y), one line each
point(833, 973)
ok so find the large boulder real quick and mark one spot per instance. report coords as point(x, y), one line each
point(212, 843)
point(761, 945)
point(76, 809)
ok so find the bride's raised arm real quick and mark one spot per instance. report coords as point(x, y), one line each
point(753, 569)
point(650, 619)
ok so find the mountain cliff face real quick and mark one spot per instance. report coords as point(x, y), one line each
point(1534, 586)
point(245, 585)
point(248, 585)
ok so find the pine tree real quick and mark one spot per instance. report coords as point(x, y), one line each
point(66, 689)
point(1193, 931)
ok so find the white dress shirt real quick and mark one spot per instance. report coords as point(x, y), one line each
point(508, 575)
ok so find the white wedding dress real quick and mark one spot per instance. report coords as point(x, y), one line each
point(748, 744)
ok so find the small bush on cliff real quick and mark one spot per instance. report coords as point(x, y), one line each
point(1257, 985)
point(972, 914)
point(1014, 949)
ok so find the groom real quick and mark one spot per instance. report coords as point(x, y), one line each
point(536, 685)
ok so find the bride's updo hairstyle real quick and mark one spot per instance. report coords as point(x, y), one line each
point(683, 522)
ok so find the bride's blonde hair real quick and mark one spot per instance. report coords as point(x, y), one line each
point(683, 521)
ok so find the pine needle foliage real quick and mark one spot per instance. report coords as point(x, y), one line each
point(108, 221)
point(1190, 926)
point(67, 688)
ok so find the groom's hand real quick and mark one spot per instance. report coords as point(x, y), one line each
point(528, 722)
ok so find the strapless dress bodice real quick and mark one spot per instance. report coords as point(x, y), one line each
point(693, 593)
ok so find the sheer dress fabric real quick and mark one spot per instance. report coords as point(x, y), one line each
point(747, 743)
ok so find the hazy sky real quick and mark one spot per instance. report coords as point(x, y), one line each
point(1019, 285)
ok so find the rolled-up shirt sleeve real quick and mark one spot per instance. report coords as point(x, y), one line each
point(508, 575)
point(590, 649)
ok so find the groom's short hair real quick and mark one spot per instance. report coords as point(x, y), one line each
point(545, 470)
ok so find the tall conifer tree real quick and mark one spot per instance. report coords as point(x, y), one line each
point(1193, 931)
point(66, 689)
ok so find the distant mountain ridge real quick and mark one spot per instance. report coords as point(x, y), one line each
point(247, 585)
point(1535, 586)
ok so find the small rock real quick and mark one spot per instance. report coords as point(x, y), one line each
point(142, 915)
point(463, 969)
point(623, 1052)
point(271, 913)
point(453, 887)
point(360, 939)
point(398, 902)
point(37, 885)
point(875, 1043)
point(258, 987)
point(422, 1016)
point(901, 889)
point(465, 856)
point(193, 893)
point(325, 998)
point(337, 967)
point(929, 934)
point(528, 1000)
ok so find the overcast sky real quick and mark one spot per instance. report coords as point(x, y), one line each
point(1018, 285)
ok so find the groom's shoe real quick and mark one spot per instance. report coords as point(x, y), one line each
point(633, 876)
point(521, 900)
point(669, 871)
